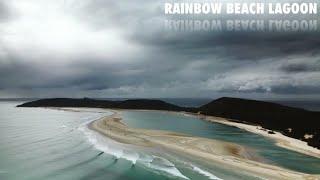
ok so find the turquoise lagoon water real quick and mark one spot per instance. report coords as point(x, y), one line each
point(194, 126)
point(41, 144)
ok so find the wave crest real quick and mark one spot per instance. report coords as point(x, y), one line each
point(117, 150)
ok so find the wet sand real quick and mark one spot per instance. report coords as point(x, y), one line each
point(280, 139)
point(232, 156)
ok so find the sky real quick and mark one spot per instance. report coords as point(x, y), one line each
point(104, 49)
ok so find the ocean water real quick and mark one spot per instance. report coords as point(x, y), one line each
point(47, 144)
point(41, 144)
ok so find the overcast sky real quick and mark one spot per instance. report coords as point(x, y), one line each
point(104, 48)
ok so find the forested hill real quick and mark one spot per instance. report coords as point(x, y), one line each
point(293, 122)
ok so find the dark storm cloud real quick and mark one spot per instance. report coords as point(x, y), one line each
point(301, 67)
point(143, 22)
point(82, 75)
point(28, 76)
point(167, 63)
point(235, 46)
point(298, 90)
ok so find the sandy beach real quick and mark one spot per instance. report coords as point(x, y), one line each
point(233, 156)
point(280, 139)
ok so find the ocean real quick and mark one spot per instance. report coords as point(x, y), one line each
point(41, 144)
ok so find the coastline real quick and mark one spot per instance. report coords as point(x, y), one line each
point(306, 132)
point(280, 139)
point(231, 155)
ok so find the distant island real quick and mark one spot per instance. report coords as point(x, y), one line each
point(293, 122)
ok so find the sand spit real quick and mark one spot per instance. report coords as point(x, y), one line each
point(281, 140)
point(230, 155)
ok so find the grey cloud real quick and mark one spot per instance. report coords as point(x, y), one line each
point(143, 23)
point(235, 46)
point(5, 12)
point(301, 67)
point(298, 90)
point(169, 63)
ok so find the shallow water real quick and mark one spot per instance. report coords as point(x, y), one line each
point(194, 126)
point(38, 143)
point(41, 144)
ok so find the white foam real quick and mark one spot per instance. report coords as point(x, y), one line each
point(145, 158)
point(131, 156)
point(115, 149)
point(166, 166)
point(187, 115)
point(205, 173)
point(98, 142)
point(161, 161)
point(63, 126)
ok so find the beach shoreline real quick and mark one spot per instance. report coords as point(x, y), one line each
point(229, 154)
point(280, 139)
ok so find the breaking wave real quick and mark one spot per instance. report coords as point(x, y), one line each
point(205, 173)
point(150, 161)
point(118, 150)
